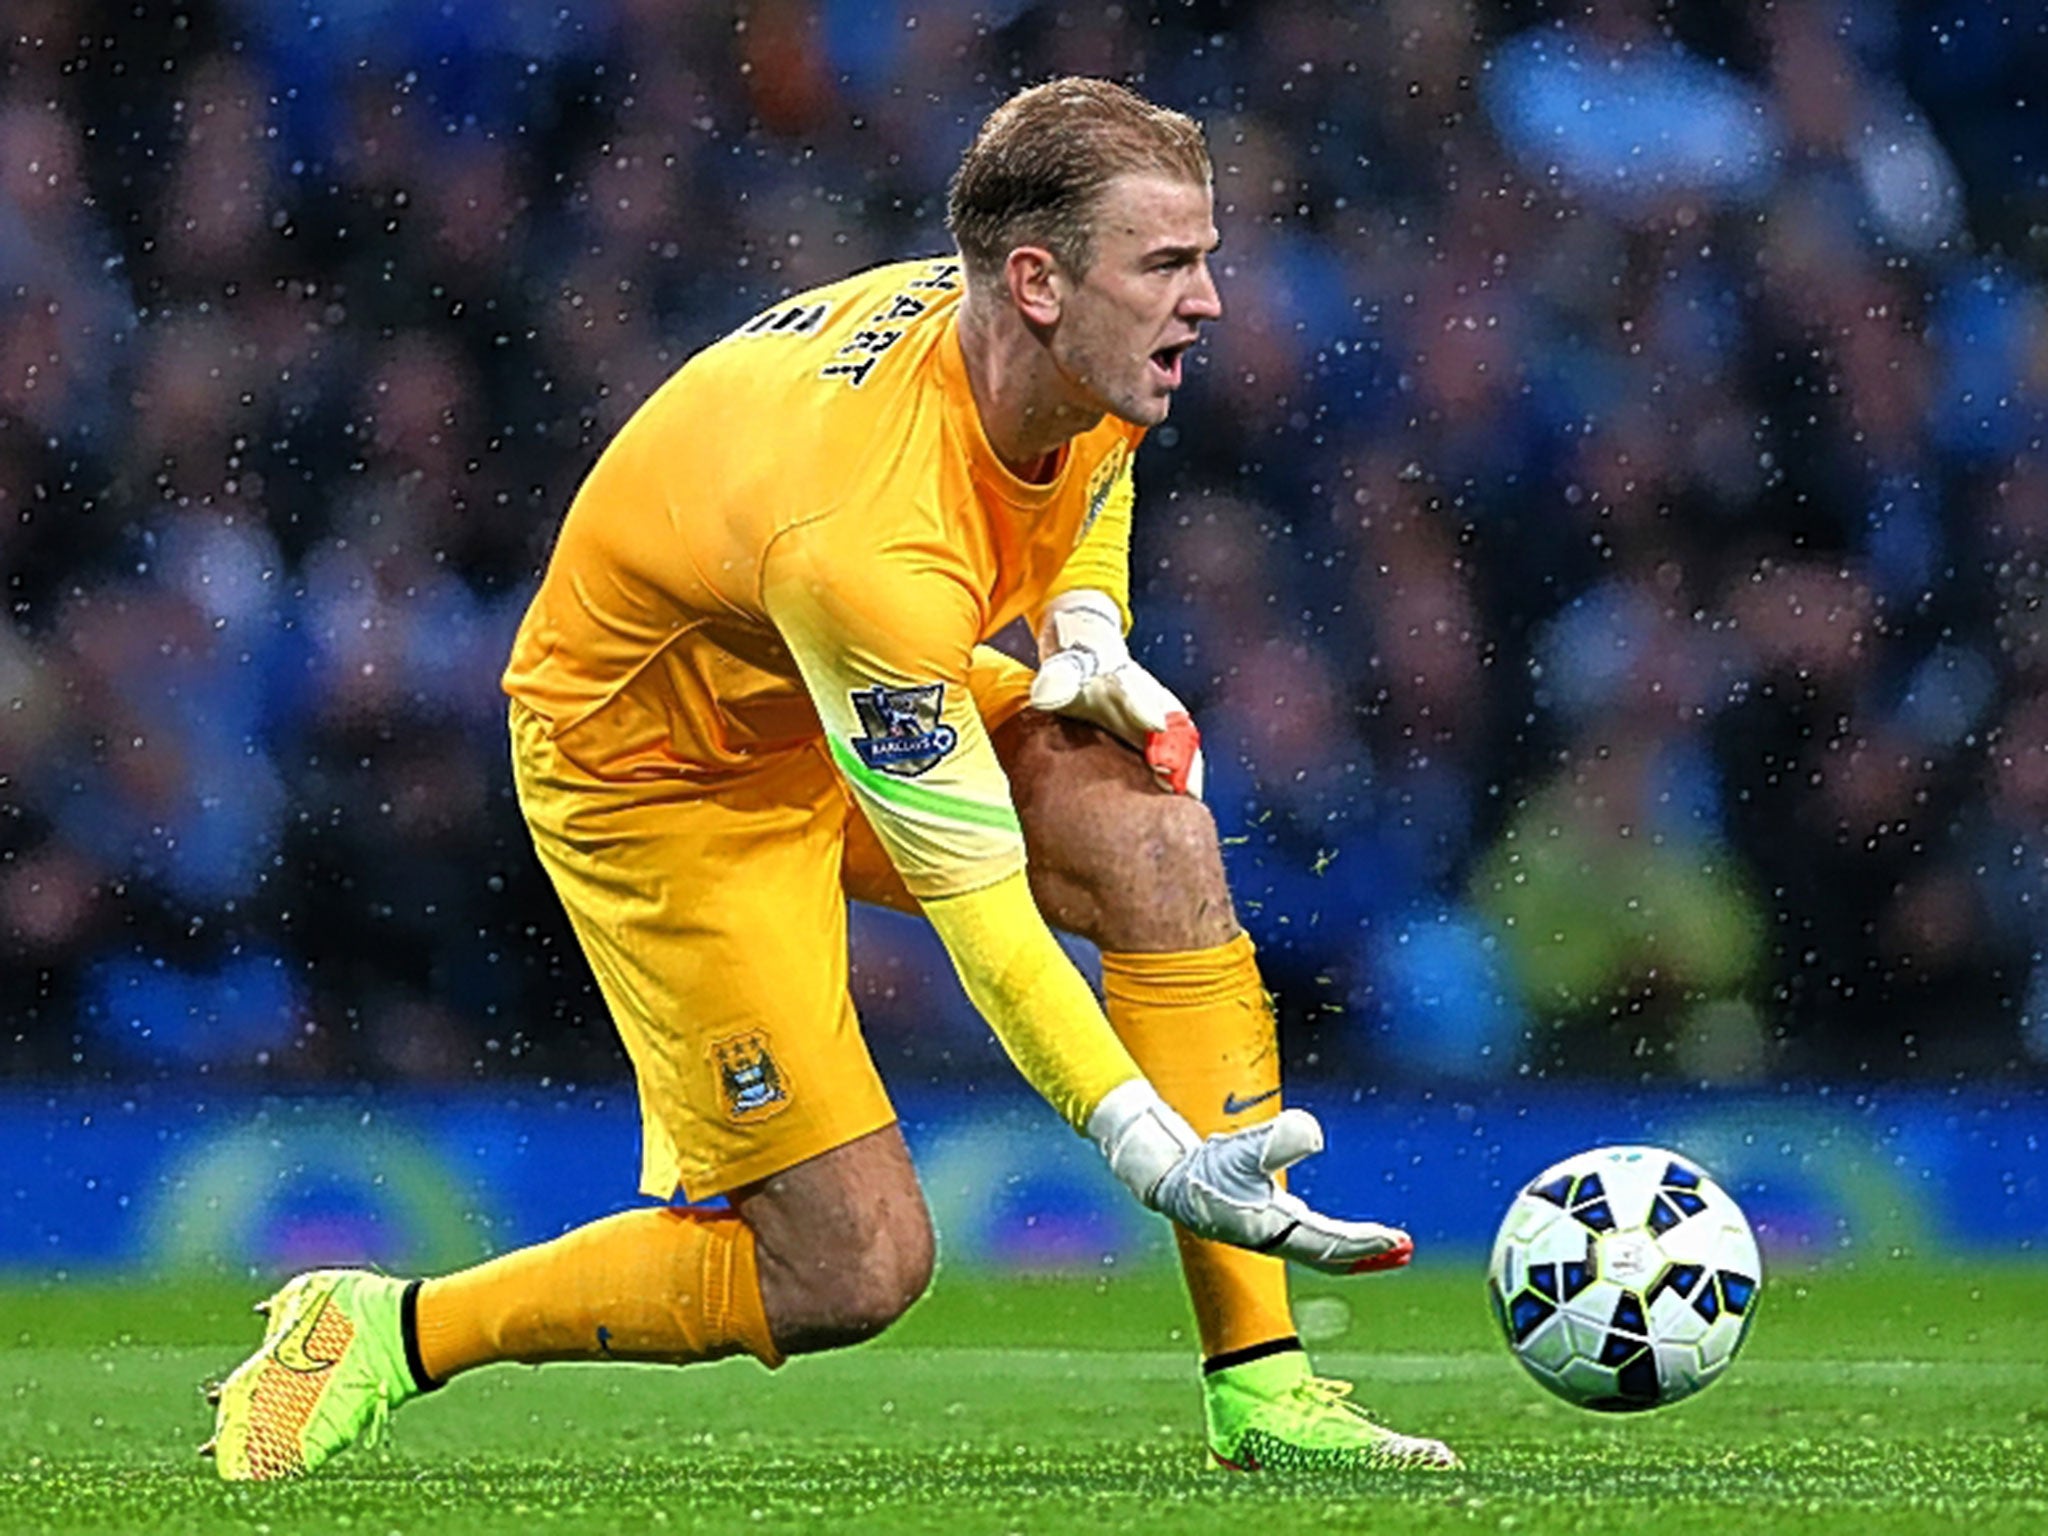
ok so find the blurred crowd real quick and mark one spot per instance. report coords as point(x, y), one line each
point(1604, 545)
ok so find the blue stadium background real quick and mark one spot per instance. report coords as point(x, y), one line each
point(1604, 547)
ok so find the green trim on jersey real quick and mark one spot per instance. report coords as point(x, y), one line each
point(917, 799)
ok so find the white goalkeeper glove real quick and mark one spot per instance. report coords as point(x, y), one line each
point(1085, 670)
point(1223, 1188)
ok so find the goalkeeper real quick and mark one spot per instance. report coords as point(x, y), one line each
point(753, 685)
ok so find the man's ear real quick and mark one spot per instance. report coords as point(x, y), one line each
point(1036, 282)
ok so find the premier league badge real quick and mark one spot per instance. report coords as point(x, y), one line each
point(905, 736)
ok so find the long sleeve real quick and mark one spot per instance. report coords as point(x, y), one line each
point(885, 662)
point(1101, 562)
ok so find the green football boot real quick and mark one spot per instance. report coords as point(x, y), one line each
point(331, 1368)
point(1272, 1415)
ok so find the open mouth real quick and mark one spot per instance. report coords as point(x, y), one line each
point(1168, 360)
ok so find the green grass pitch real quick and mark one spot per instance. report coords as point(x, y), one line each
point(1886, 1397)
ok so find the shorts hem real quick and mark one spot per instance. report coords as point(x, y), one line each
point(709, 1181)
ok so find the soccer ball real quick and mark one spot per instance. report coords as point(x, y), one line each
point(1624, 1278)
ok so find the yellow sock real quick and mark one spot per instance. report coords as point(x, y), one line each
point(1200, 1026)
point(653, 1284)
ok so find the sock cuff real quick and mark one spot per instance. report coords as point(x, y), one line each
point(1290, 1344)
point(733, 1308)
point(409, 1331)
point(1211, 975)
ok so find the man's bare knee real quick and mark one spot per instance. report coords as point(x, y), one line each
point(1172, 843)
point(1159, 886)
point(1113, 857)
point(861, 1293)
point(843, 1244)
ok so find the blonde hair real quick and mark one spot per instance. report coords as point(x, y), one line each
point(1038, 166)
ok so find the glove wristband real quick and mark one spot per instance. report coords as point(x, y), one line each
point(1140, 1136)
point(1074, 621)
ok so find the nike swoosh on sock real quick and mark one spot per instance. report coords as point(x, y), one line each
point(1233, 1105)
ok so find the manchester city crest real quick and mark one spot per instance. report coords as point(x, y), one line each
point(753, 1084)
point(905, 736)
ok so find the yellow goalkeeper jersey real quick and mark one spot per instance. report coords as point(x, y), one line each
point(804, 533)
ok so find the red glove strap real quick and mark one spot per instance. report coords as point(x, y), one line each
point(1393, 1258)
point(1171, 752)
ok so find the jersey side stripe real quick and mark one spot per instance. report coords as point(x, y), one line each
point(916, 799)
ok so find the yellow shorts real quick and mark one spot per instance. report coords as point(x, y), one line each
point(715, 923)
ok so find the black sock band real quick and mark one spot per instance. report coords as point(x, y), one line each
point(1249, 1353)
point(409, 1330)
